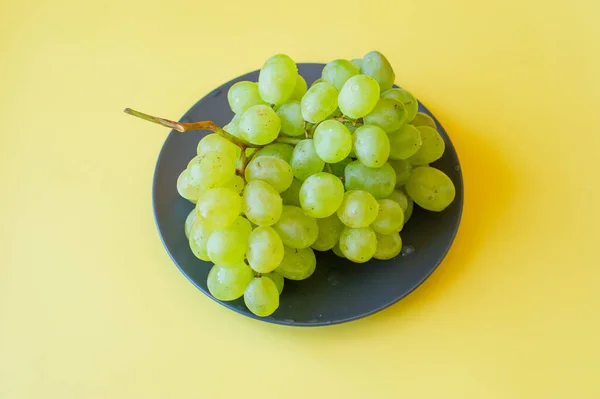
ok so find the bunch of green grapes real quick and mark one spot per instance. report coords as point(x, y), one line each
point(335, 166)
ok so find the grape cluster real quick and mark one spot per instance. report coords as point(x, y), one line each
point(334, 166)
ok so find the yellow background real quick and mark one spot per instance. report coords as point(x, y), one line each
point(91, 306)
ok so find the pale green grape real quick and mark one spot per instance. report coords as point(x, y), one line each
point(305, 160)
point(199, 235)
point(330, 229)
point(399, 197)
point(186, 189)
point(242, 96)
point(297, 264)
point(358, 209)
point(332, 141)
point(390, 218)
point(405, 142)
point(291, 196)
point(338, 168)
point(292, 122)
point(211, 169)
point(358, 96)
point(272, 170)
point(229, 282)
point(357, 62)
point(218, 207)
point(338, 72)
point(277, 79)
point(358, 245)
point(299, 89)
point(409, 210)
point(316, 82)
point(279, 150)
point(261, 296)
point(319, 102)
point(380, 182)
point(388, 114)
point(411, 105)
point(228, 246)
point(260, 124)
point(375, 64)
point(422, 119)
point(265, 250)
point(321, 195)
point(217, 143)
point(277, 279)
point(189, 222)
point(432, 148)
point(262, 204)
point(236, 184)
point(388, 246)
point(337, 251)
point(371, 145)
point(296, 228)
point(430, 188)
point(403, 169)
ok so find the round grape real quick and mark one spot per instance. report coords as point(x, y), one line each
point(243, 95)
point(358, 96)
point(292, 122)
point(388, 246)
point(403, 169)
point(277, 79)
point(261, 296)
point(229, 282)
point(228, 246)
point(217, 143)
point(297, 264)
point(432, 148)
point(358, 209)
point(321, 195)
point(211, 170)
point(296, 228)
point(330, 229)
point(390, 218)
point(388, 114)
point(260, 124)
point(399, 197)
point(291, 196)
point(199, 235)
point(430, 188)
point(380, 182)
point(319, 102)
point(358, 245)
point(272, 170)
point(189, 222)
point(279, 150)
point(277, 279)
point(218, 208)
point(305, 160)
point(299, 89)
point(405, 142)
point(338, 72)
point(186, 189)
point(371, 145)
point(332, 141)
point(262, 204)
point(265, 250)
point(422, 119)
point(375, 64)
point(411, 105)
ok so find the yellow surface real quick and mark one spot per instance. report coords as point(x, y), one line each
point(91, 306)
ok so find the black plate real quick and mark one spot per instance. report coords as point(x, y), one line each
point(339, 290)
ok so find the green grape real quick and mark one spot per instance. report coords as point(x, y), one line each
point(430, 188)
point(242, 96)
point(233, 128)
point(319, 102)
point(292, 122)
point(228, 246)
point(272, 170)
point(186, 189)
point(316, 82)
point(330, 229)
point(409, 210)
point(299, 89)
point(217, 143)
point(371, 145)
point(403, 169)
point(432, 148)
point(358, 245)
point(265, 250)
point(358, 209)
point(262, 204)
point(422, 119)
point(380, 182)
point(305, 160)
point(388, 246)
point(279, 150)
point(357, 62)
point(277, 79)
point(291, 196)
point(236, 184)
point(229, 282)
point(411, 105)
point(338, 72)
point(401, 198)
point(211, 169)
point(358, 96)
point(260, 124)
point(338, 168)
point(321, 195)
point(405, 142)
point(337, 251)
point(388, 114)
point(332, 141)
point(261, 296)
point(218, 207)
point(390, 218)
point(296, 228)
point(297, 264)
point(189, 222)
point(199, 235)
point(375, 64)
point(277, 279)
